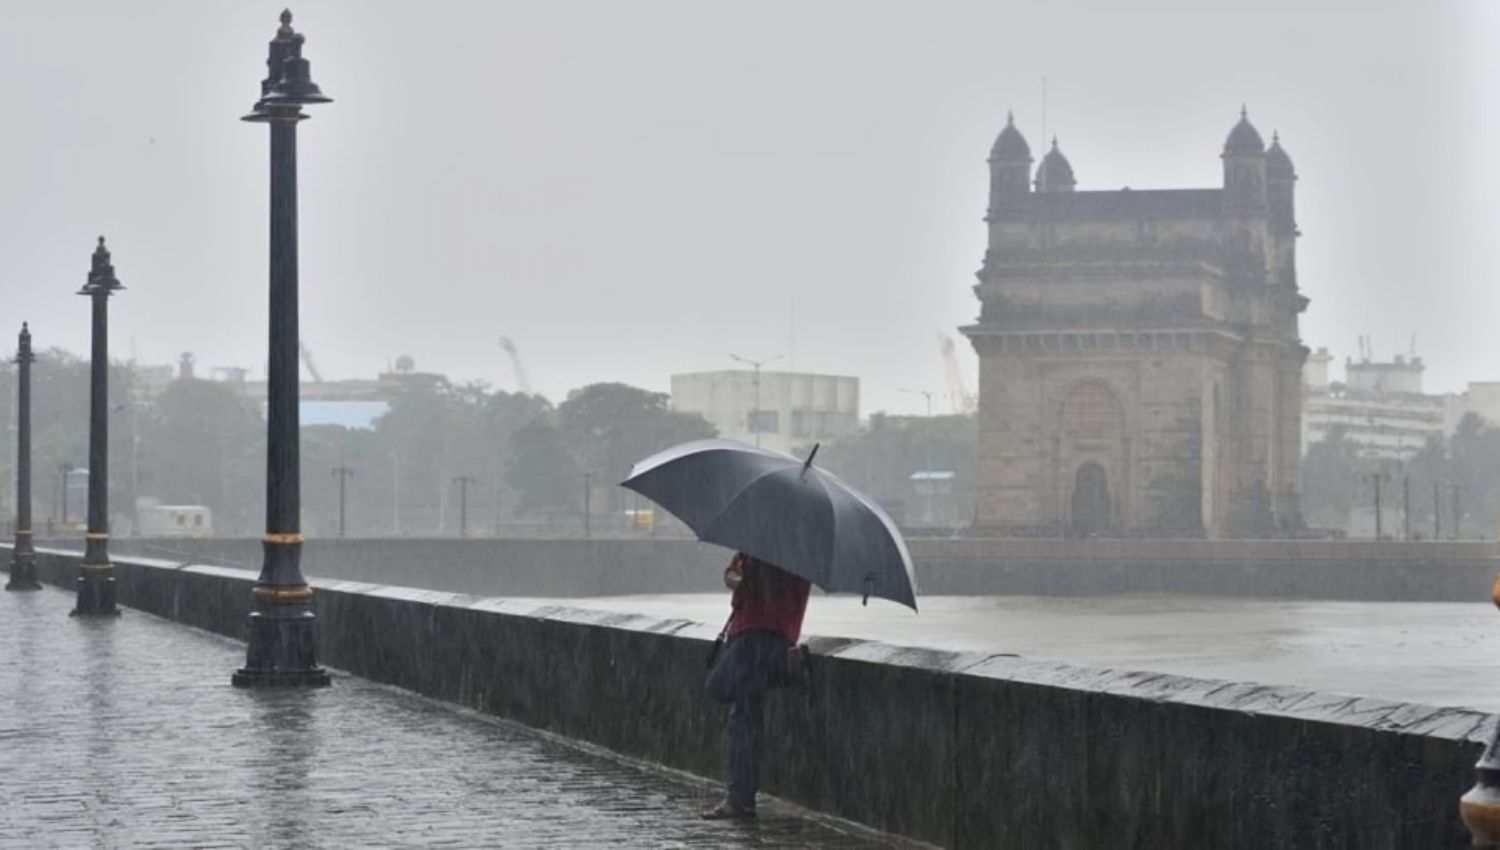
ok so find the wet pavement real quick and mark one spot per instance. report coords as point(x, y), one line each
point(127, 733)
point(1434, 653)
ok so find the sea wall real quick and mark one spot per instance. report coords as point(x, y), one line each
point(959, 749)
point(1350, 570)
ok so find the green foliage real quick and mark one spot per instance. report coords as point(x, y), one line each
point(880, 460)
point(1450, 487)
point(608, 427)
point(550, 481)
point(199, 441)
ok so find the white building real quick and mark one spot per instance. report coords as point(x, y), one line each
point(1482, 398)
point(783, 410)
point(1380, 406)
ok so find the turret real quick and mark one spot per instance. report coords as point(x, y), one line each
point(1010, 164)
point(1055, 174)
point(1244, 168)
point(1281, 179)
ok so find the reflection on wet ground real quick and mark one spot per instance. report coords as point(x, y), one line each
point(1436, 653)
point(127, 733)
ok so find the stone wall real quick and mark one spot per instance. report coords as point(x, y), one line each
point(1353, 570)
point(962, 750)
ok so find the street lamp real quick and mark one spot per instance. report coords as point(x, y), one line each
point(64, 469)
point(96, 581)
point(343, 474)
point(282, 635)
point(753, 419)
point(23, 560)
point(926, 457)
point(588, 502)
point(463, 482)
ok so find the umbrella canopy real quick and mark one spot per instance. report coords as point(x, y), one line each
point(783, 510)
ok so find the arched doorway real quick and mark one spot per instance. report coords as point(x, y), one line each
point(1090, 500)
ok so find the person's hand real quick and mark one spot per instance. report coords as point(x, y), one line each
point(732, 577)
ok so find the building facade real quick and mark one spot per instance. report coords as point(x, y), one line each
point(777, 410)
point(1379, 408)
point(1140, 363)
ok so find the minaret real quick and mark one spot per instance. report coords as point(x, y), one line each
point(1010, 165)
point(1244, 168)
point(1281, 179)
point(1055, 174)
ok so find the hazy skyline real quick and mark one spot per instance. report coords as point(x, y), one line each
point(633, 190)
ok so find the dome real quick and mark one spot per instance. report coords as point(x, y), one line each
point(1010, 146)
point(1244, 139)
point(1055, 174)
point(1278, 164)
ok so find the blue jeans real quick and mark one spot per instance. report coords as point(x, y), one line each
point(751, 663)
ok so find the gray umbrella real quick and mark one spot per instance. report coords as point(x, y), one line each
point(783, 510)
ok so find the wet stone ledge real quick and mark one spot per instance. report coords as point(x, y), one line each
point(958, 749)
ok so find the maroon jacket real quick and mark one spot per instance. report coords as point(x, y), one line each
point(767, 597)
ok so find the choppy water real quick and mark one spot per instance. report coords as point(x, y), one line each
point(1437, 653)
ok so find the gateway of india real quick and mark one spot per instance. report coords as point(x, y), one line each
point(1140, 366)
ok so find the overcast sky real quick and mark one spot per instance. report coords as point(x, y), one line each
point(633, 189)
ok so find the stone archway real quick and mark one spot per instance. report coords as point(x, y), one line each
point(1090, 514)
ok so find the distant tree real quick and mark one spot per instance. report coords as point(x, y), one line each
point(1331, 473)
point(880, 460)
point(434, 433)
point(544, 472)
point(609, 427)
point(60, 431)
point(200, 441)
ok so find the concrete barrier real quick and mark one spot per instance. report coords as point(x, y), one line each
point(1350, 570)
point(962, 750)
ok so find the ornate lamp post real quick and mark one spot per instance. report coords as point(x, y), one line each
point(282, 625)
point(23, 560)
point(96, 583)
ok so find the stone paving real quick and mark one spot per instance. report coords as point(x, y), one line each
point(127, 733)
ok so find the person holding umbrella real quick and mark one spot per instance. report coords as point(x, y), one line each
point(793, 525)
point(761, 654)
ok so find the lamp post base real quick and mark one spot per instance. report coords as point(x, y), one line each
point(96, 594)
point(281, 651)
point(23, 575)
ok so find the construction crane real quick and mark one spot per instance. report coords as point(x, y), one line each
point(509, 347)
point(958, 388)
point(307, 360)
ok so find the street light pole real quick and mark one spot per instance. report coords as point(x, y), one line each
point(588, 501)
point(96, 581)
point(463, 482)
point(343, 474)
point(23, 560)
point(64, 470)
point(926, 458)
point(1458, 519)
point(752, 419)
point(1405, 507)
point(282, 639)
point(1437, 512)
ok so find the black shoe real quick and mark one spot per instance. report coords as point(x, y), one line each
point(728, 811)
